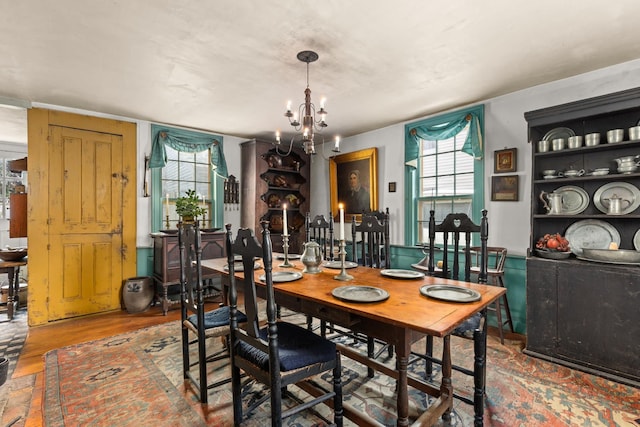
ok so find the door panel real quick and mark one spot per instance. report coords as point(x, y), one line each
point(85, 221)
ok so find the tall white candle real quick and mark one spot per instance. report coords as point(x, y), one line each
point(341, 221)
point(285, 230)
point(166, 206)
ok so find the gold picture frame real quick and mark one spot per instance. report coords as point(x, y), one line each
point(504, 188)
point(360, 167)
point(505, 160)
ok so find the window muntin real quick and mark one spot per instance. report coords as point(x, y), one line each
point(9, 182)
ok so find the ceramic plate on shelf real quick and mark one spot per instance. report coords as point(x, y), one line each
point(574, 199)
point(402, 274)
point(360, 293)
point(450, 293)
point(636, 240)
point(623, 190)
point(563, 133)
point(592, 234)
point(338, 264)
point(283, 276)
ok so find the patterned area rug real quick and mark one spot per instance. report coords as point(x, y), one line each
point(135, 379)
point(13, 334)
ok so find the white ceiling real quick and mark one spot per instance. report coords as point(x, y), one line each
point(230, 66)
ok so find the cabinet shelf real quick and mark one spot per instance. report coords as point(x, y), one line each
point(587, 216)
point(596, 148)
point(609, 177)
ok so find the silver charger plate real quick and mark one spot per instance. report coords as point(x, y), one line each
point(360, 293)
point(451, 293)
point(636, 240)
point(591, 233)
point(402, 274)
point(290, 256)
point(338, 264)
point(239, 266)
point(583, 258)
point(574, 199)
point(624, 190)
point(282, 276)
point(561, 132)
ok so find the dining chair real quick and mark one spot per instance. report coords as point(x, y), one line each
point(196, 320)
point(320, 230)
point(370, 247)
point(280, 354)
point(459, 228)
point(495, 276)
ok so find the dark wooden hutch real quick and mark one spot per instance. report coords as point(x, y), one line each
point(269, 180)
point(581, 313)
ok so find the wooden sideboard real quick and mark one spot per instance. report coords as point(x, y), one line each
point(166, 265)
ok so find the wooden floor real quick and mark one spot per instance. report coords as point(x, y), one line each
point(41, 339)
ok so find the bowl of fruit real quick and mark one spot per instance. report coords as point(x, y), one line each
point(553, 246)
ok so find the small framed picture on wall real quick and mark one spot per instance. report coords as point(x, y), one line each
point(505, 160)
point(504, 188)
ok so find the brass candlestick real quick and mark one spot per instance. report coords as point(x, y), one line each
point(166, 222)
point(285, 246)
point(343, 276)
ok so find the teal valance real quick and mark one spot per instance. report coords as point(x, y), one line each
point(446, 127)
point(186, 141)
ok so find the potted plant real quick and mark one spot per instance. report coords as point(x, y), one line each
point(189, 207)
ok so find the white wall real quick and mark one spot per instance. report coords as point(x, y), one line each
point(505, 127)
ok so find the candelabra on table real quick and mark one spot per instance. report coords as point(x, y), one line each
point(343, 276)
point(285, 247)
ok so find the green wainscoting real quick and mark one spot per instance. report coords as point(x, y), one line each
point(514, 279)
point(145, 261)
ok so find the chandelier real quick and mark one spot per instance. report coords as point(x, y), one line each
point(304, 120)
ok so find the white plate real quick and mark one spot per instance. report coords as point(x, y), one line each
point(563, 133)
point(402, 274)
point(636, 240)
point(360, 293)
point(574, 199)
point(624, 190)
point(591, 233)
point(338, 264)
point(282, 276)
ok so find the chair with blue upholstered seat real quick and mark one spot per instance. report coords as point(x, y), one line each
point(196, 320)
point(456, 232)
point(280, 354)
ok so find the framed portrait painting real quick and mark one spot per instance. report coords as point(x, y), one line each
point(354, 182)
point(505, 160)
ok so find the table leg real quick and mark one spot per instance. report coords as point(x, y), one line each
point(14, 288)
point(402, 361)
point(446, 387)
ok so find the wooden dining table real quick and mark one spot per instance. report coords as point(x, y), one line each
point(401, 319)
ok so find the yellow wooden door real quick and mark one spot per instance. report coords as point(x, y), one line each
point(85, 221)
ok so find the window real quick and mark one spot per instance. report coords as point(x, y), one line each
point(11, 182)
point(445, 180)
point(186, 171)
point(444, 170)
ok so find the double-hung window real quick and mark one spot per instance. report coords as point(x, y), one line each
point(444, 170)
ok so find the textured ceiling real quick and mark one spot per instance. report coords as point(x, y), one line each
point(230, 66)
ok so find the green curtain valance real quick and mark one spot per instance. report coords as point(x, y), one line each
point(473, 145)
point(186, 141)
